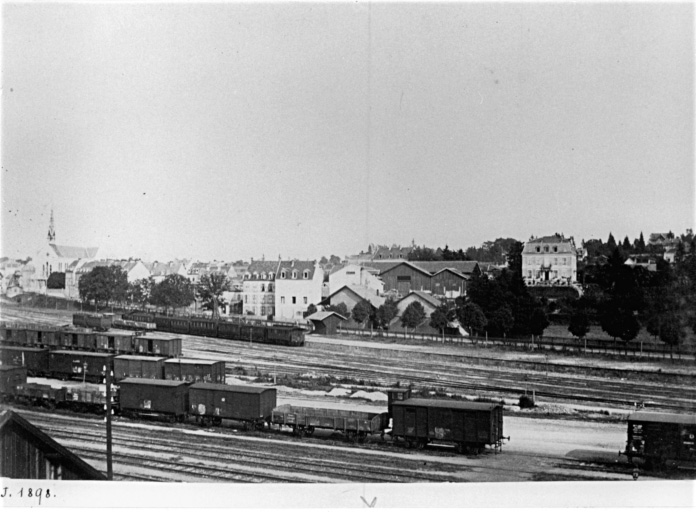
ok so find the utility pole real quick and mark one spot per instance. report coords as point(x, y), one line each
point(109, 455)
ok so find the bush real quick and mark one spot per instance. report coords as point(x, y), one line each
point(526, 402)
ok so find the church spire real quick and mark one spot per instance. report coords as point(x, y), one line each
point(51, 230)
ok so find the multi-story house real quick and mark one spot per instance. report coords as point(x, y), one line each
point(258, 288)
point(550, 260)
point(298, 284)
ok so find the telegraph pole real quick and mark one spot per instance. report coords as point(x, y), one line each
point(109, 456)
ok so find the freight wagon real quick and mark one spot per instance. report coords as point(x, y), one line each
point(11, 377)
point(35, 360)
point(469, 426)
point(157, 344)
point(161, 399)
point(42, 395)
point(195, 370)
point(116, 341)
point(87, 398)
point(89, 366)
point(92, 320)
point(661, 439)
point(42, 336)
point(212, 403)
point(354, 424)
point(13, 333)
point(76, 338)
point(139, 367)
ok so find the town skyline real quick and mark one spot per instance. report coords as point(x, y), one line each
point(231, 131)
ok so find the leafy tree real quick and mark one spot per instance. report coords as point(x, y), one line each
point(362, 311)
point(471, 316)
point(440, 318)
point(103, 284)
point(501, 321)
point(175, 291)
point(539, 322)
point(579, 323)
point(56, 281)
point(311, 309)
point(139, 291)
point(386, 313)
point(210, 290)
point(413, 315)
point(339, 308)
point(334, 260)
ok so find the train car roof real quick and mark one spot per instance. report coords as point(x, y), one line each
point(27, 349)
point(81, 353)
point(141, 358)
point(154, 382)
point(449, 404)
point(663, 417)
point(156, 336)
point(115, 332)
point(233, 388)
point(192, 361)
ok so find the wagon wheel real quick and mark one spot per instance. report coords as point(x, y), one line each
point(217, 421)
point(309, 431)
point(460, 448)
point(298, 431)
point(362, 437)
point(350, 435)
point(419, 444)
point(409, 443)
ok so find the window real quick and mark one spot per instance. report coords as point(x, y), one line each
point(351, 273)
point(538, 249)
point(282, 300)
point(305, 300)
point(246, 298)
point(270, 276)
point(403, 279)
point(555, 248)
point(263, 287)
point(282, 274)
point(546, 248)
point(294, 274)
point(270, 287)
point(294, 300)
point(256, 275)
point(306, 274)
point(263, 276)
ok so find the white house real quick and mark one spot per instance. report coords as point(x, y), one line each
point(297, 285)
point(354, 275)
point(550, 260)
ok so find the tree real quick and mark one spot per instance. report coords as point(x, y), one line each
point(440, 318)
point(386, 313)
point(672, 330)
point(139, 291)
point(56, 281)
point(210, 290)
point(175, 291)
point(611, 243)
point(362, 311)
point(103, 284)
point(501, 321)
point(311, 309)
point(339, 308)
point(579, 323)
point(539, 322)
point(640, 245)
point(626, 245)
point(413, 315)
point(471, 316)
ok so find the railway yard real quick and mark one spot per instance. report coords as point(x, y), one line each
point(575, 432)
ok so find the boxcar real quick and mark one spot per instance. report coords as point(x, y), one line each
point(285, 335)
point(76, 338)
point(92, 320)
point(469, 426)
point(13, 333)
point(203, 327)
point(139, 367)
point(69, 364)
point(87, 398)
point(661, 439)
point(212, 403)
point(354, 424)
point(157, 344)
point(42, 395)
point(116, 341)
point(165, 399)
point(195, 370)
point(41, 336)
point(11, 377)
point(34, 359)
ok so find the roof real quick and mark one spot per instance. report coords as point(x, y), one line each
point(24, 349)
point(362, 292)
point(66, 251)
point(424, 296)
point(565, 244)
point(154, 382)
point(82, 353)
point(256, 390)
point(449, 404)
point(660, 417)
point(154, 336)
point(182, 360)
point(260, 268)
point(48, 445)
point(298, 266)
point(140, 358)
point(320, 316)
point(459, 267)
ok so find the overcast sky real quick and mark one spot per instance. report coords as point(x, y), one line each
point(227, 131)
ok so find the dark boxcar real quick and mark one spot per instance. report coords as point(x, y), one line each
point(214, 402)
point(140, 367)
point(34, 359)
point(253, 333)
point(285, 335)
point(157, 344)
point(355, 424)
point(229, 330)
point(115, 340)
point(133, 325)
point(470, 426)
point(11, 377)
point(77, 338)
point(195, 370)
point(41, 336)
point(661, 438)
point(173, 324)
point(203, 327)
point(155, 398)
point(68, 364)
point(13, 333)
point(42, 395)
point(140, 316)
point(92, 320)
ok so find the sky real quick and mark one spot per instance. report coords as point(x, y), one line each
point(235, 130)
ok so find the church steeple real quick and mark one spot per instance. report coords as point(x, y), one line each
point(51, 230)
